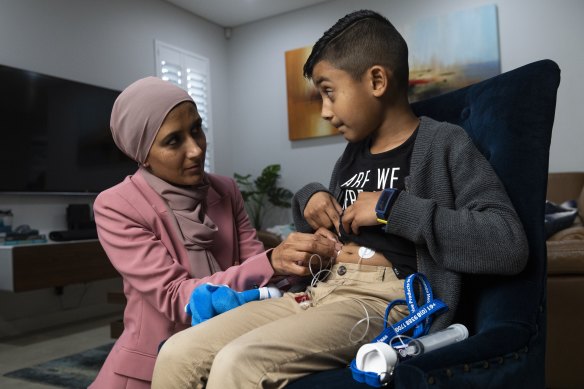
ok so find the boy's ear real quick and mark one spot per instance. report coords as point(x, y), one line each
point(379, 79)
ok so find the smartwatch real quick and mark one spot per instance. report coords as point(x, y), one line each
point(384, 204)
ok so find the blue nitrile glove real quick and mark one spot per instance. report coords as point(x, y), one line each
point(209, 300)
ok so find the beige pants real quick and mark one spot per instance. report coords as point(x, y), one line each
point(268, 344)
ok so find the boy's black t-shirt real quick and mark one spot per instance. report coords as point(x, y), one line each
point(362, 171)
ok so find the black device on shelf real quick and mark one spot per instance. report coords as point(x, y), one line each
point(79, 223)
point(55, 136)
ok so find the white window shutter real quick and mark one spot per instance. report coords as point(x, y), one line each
point(190, 72)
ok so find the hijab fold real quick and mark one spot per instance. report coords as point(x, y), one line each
point(195, 227)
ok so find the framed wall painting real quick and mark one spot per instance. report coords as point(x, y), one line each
point(446, 53)
point(304, 102)
point(452, 51)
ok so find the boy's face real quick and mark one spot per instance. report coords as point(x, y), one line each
point(348, 104)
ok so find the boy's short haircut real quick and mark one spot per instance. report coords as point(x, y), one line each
point(358, 41)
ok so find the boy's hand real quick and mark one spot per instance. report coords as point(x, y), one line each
point(361, 213)
point(322, 210)
point(292, 256)
point(329, 235)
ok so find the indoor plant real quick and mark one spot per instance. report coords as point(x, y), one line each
point(262, 193)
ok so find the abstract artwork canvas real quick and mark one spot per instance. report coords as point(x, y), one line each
point(452, 51)
point(304, 101)
point(447, 52)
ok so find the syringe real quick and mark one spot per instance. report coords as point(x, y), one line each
point(452, 334)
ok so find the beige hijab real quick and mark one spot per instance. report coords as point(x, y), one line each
point(137, 115)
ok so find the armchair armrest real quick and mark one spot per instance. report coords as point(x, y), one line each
point(566, 256)
point(471, 361)
point(461, 365)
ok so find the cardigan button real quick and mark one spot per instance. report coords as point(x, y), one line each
point(341, 270)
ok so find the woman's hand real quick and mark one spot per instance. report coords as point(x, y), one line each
point(293, 255)
point(322, 210)
point(361, 213)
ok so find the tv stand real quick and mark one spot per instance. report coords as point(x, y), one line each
point(45, 265)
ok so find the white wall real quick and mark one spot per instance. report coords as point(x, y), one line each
point(108, 43)
point(529, 30)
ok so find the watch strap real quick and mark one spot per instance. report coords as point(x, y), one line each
point(384, 204)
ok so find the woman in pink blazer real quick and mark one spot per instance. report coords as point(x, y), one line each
point(171, 227)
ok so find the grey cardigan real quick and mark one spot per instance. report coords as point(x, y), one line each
point(454, 209)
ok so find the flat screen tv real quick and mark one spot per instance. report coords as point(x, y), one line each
point(55, 136)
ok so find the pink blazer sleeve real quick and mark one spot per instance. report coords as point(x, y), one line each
point(139, 242)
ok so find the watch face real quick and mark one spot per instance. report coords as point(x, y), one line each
point(384, 203)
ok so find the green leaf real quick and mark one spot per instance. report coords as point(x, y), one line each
point(262, 193)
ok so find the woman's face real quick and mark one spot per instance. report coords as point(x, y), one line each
point(178, 152)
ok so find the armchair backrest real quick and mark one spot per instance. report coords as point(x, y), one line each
point(510, 119)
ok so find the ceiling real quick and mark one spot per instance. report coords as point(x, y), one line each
point(233, 13)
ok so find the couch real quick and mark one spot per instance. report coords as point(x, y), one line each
point(565, 287)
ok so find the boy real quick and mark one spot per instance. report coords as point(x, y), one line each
point(444, 213)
